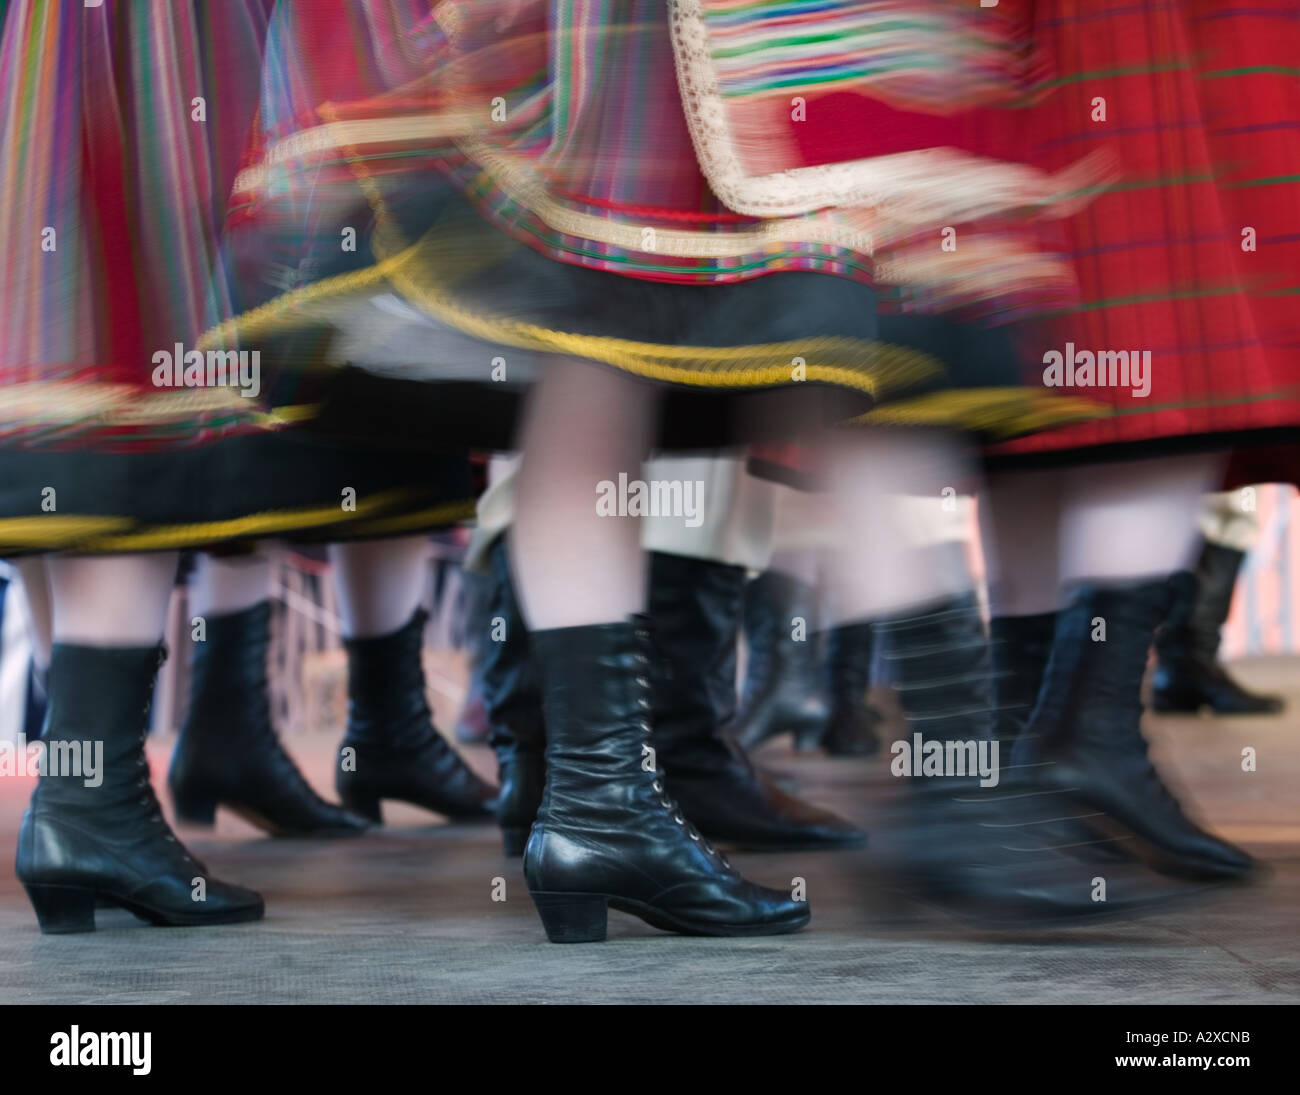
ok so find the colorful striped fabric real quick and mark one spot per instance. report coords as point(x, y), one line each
point(1194, 255)
point(121, 126)
point(563, 122)
point(935, 54)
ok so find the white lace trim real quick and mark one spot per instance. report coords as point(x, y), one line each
point(929, 186)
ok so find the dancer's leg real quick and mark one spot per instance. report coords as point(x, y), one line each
point(1020, 520)
point(889, 487)
point(105, 840)
point(606, 832)
point(391, 748)
point(228, 753)
point(111, 600)
point(965, 842)
point(1124, 529)
point(221, 585)
point(574, 566)
point(1133, 520)
point(380, 583)
point(1020, 525)
point(1190, 677)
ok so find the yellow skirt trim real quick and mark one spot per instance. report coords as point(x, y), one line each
point(99, 535)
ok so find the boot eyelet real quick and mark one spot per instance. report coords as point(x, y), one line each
point(679, 819)
point(666, 803)
point(643, 682)
point(659, 787)
point(695, 836)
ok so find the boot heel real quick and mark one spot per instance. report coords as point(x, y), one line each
point(514, 838)
point(366, 805)
point(62, 910)
point(1164, 704)
point(573, 917)
point(195, 809)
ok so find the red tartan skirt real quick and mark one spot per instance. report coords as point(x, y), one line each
point(1194, 255)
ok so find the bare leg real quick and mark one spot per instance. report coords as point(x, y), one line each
point(1124, 529)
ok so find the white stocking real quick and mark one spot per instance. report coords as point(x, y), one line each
point(380, 583)
point(1133, 520)
point(221, 585)
point(892, 489)
point(111, 600)
point(584, 424)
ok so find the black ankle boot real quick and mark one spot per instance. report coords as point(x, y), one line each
point(852, 723)
point(986, 851)
point(607, 835)
point(109, 844)
point(512, 695)
point(939, 663)
point(1085, 733)
point(695, 616)
point(1190, 676)
point(228, 754)
point(782, 693)
point(391, 749)
point(1018, 648)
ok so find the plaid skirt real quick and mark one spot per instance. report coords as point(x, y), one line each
point(582, 220)
point(122, 127)
point(1189, 266)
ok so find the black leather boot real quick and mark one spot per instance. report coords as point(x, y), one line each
point(1085, 734)
point(852, 723)
point(782, 693)
point(391, 749)
point(986, 850)
point(939, 662)
point(108, 843)
point(695, 616)
point(512, 695)
point(228, 754)
point(1189, 675)
point(607, 836)
point(1018, 648)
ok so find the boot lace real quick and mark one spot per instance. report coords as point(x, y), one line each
point(643, 661)
point(147, 799)
point(264, 736)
